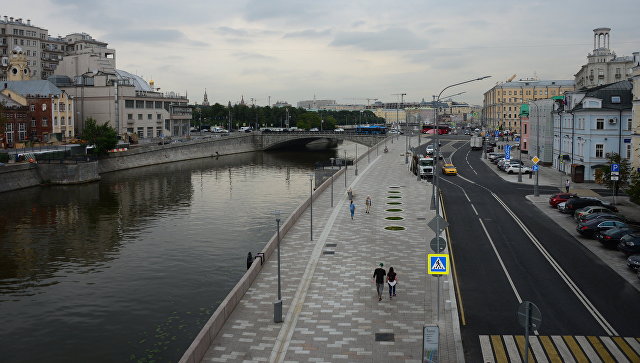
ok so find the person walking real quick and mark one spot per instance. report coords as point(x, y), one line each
point(352, 208)
point(350, 194)
point(378, 276)
point(368, 204)
point(567, 185)
point(392, 280)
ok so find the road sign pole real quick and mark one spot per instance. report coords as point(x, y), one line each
point(536, 192)
point(526, 333)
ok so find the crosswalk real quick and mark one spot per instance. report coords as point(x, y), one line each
point(560, 348)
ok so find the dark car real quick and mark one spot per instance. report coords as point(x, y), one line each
point(630, 244)
point(560, 197)
point(589, 229)
point(634, 262)
point(581, 202)
point(610, 238)
point(603, 215)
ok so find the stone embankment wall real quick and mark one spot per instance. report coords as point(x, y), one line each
point(20, 176)
point(159, 154)
point(202, 342)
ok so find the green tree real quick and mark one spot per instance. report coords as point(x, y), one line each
point(634, 187)
point(625, 172)
point(308, 120)
point(104, 137)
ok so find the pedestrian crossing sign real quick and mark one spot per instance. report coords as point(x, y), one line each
point(438, 264)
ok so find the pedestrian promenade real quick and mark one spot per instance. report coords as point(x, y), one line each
point(330, 306)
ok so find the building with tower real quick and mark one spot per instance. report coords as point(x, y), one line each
point(205, 101)
point(18, 68)
point(603, 66)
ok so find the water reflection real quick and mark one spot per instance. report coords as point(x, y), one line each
point(131, 267)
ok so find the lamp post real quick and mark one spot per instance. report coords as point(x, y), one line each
point(436, 179)
point(406, 130)
point(311, 200)
point(277, 306)
point(536, 192)
point(345, 168)
point(520, 150)
point(356, 160)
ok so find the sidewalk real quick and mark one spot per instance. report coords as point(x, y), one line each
point(330, 306)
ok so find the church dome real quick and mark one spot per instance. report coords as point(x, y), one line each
point(139, 83)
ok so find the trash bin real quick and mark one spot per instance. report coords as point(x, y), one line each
point(577, 173)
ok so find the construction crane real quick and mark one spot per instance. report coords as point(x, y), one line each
point(370, 99)
point(511, 78)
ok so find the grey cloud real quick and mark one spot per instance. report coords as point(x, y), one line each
point(384, 40)
point(146, 36)
point(309, 33)
point(252, 56)
point(225, 30)
point(256, 10)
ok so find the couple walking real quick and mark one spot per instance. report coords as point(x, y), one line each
point(352, 207)
point(391, 277)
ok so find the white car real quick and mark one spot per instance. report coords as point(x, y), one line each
point(338, 130)
point(394, 132)
point(314, 129)
point(515, 169)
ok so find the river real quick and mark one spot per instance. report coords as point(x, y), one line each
point(131, 267)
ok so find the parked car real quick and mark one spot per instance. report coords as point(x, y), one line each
point(630, 244)
point(394, 132)
point(554, 200)
point(509, 163)
point(576, 203)
point(633, 262)
point(493, 156)
point(314, 129)
point(449, 169)
point(590, 228)
point(591, 210)
point(607, 215)
point(339, 129)
point(562, 207)
point(610, 238)
point(515, 169)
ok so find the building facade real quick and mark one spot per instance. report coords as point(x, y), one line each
point(18, 33)
point(590, 125)
point(603, 66)
point(502, 103)
point(635, 116)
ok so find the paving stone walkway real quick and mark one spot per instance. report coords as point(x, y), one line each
point(330, 306)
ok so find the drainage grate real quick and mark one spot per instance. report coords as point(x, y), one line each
point(385, 337)
point(328, 252)
point(331, 245)
point(421, 219)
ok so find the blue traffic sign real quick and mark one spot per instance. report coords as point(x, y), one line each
point(438, 264)
point(507, 152)
point(497, 133)
point(615, 167)
point(517, 139)
point(535, 167)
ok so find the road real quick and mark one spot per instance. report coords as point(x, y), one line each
point(507, 251)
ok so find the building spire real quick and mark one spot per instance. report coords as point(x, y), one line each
point(205, 101)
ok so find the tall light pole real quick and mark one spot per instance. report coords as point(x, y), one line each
point(436, 179)
point(277, 306)
point(406, 130)
point(311, 199)
point(356, 160)
point(536, 192)
point(520, 149)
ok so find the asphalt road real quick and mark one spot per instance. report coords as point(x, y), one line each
point(507, 251)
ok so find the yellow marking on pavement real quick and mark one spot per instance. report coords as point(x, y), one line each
point(521, 344)
point(453, 267)
point(553, 354)
point(600, 349)
point(575, 348)
point(498, 349)
point(628, 351)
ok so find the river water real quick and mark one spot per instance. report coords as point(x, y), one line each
point(130, 268)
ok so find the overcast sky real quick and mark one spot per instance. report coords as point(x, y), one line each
point(344, 50)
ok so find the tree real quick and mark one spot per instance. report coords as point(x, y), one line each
point(634, 187)
point(625, 172)
point(104, 137)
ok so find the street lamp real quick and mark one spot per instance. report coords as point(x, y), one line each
point(436, 179)
point(277, 306)
point(311, 198)
point(406, 130)
point(356, 160)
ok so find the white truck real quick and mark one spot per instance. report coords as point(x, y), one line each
point(426, 165)
point(476, 142)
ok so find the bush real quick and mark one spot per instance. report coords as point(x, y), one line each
point(4, 157)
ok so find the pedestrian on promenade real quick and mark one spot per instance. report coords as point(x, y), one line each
point(567, 184)
point(352, 208)
point(350, 194)
point(249, 260)
point(368, 204)
point(378, 275)
point(392, 280)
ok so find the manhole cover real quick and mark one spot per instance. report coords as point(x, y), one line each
point(331, 245)
point(385, 337)
point(421, 219)
point(328, 252)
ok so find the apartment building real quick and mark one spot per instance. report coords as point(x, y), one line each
point(501, 105)
point(15, 32)
point(603, 66)
point(635, 115)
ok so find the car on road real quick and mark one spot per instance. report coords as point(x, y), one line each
point(633, 262)
point(630, 244)
point(611, 237)
point(430, 149)
point(339, 129)
point(590, 228)
point(314, 129)
point(467, 132)
point(515, 169)
point(394, 132)
point(449, 169)
point(554, 200)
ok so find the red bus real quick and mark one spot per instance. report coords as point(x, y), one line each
point(442, 129)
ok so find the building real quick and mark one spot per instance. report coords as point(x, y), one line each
point(391, 116)
point(603, 66)
point(18, 33)
point(205, 100)
point(51, 111)
point(501, 106)
point(12, 114)
point(281, 104)
point(635, 135)
point(317, 104)
point(589, 125)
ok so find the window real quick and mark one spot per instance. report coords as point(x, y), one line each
point(525, 129)
point(629, 124)
point(615, 99)
point(600, 124)
point(55, 120)
point(33, 122)
point(128, 104)
point(44, 107)
point(32, 108)
point(45, 122)
point(149, 132)
point(167, 124)
point(141, 132)
point(62, 121)
point(139, 116)
point(159, 117)
point(149, 116)
point(149, 104)
point(139, 104)
point(628, 151)
point(22, 131)
point(129, 116)
point(158, 104)
point(599, 150)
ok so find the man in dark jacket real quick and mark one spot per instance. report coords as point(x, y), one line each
point(379, 275)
